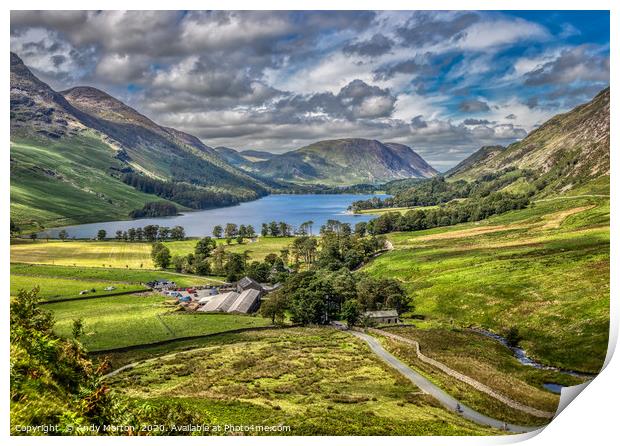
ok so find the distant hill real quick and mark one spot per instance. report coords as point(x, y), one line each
point(568, 150)
point(345, 161)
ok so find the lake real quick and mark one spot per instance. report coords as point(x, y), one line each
point(293, 209)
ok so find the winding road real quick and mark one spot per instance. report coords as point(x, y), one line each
point(425, 385)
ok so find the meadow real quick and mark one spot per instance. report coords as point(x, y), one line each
point(543, 270)
point(65, 282)
point(317, 381)
point(128, 255)
point(121, 321)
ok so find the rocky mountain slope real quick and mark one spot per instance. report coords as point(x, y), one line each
point(568, 150)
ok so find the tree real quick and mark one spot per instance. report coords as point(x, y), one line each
point(217, 231)
point(15, 230)
point(274, 229)
point(118, 236)
point(150, 232)
point(231, 231)
point(33, 236)
point(239, 239)
point(234, 266)
point(160, 254)
point(77, 329)
point(101, 233)
point(284, 229)
point(204, 247)
point(178, 263)
point(306, 228)
point(250, 232)
point(242, 231)
point(177, 233)
point(351, 312)
point(513, 337)
point(131, 234)
point(274, 307)
point(202, 267)
point(163, 233)
point(139, 234)
point(264, 230)
point(360, 228)
point(63, 235)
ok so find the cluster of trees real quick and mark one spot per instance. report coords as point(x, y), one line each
point(449, 214)
point(231, 231)
point(209, 258)
point(189, 195)
point(318, 296)
point(276, 229)
point(149, 233)
point(155, 209)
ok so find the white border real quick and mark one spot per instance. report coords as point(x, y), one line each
point(591, 420)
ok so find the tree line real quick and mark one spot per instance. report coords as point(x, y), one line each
point(446, 215)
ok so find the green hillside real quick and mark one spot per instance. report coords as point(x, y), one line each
point(543, 270)
point(55, 183)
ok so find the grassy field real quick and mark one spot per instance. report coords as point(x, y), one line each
point(54, 288)
point(488, 362)
point(62, 282)
point(113, 254)
point(317, 381)
point(402, 210)
point(108, 254)
point(544, 270)
point(120, 321)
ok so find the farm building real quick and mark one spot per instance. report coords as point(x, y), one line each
point(219, 302)
point(383, 316)
point(247, 302)
point(248, 283)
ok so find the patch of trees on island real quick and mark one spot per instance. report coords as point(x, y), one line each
point(155, 209)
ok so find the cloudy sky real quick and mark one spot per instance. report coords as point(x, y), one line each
point(444, 83)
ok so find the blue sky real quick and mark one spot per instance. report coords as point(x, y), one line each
point(444, 83)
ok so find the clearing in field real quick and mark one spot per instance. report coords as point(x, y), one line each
point(552, 284)
point(121, 321)
point(317, 381)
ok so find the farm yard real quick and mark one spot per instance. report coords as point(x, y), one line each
point(317, 381)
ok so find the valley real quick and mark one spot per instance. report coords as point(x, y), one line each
point(513, 241)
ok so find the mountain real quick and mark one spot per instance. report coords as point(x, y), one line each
point(568, 150)
point(231, 156)
point(257, 155)
point(73, 152)
point(477, 158)
point(345, 161)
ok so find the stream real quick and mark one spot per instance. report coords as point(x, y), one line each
point(522, 357)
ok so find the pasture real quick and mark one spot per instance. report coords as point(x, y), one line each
point(317, 381)
point(543, 270)
point(486, 361)
point(62, 282)
point(121, 321)
point(128, 255)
